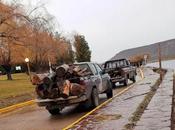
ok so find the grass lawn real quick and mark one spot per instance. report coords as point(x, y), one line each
point(18, 86)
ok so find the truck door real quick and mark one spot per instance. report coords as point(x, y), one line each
point(103, 77)
point(96, 78)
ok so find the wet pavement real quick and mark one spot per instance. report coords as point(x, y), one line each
point(157, 116)
point(115, 115)
point(37, 118)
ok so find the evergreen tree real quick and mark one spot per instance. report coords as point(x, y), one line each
point(83, 53)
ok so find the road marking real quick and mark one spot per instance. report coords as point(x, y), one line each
point(141, 73)
point(104, 103)
point(19, 105)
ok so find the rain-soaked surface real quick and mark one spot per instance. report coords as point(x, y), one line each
point(37, 118)
point(115, 115)
point(157, 116)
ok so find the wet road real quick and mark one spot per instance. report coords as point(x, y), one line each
point(35, 118)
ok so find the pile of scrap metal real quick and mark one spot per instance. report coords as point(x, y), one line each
point(65, 81)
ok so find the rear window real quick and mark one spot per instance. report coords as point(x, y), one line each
point(115, 64)
point(84, 66)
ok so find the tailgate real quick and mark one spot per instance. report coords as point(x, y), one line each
point(61, 101)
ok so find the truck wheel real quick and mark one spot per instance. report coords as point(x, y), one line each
point(109, 92)
point(125, 82)
point(54, 111)
point(113, 85)
point(93, 100)
point(134, 79)
point(95, 97)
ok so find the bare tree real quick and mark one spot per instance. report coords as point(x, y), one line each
point(16, 28)
point(8, 34)
point(28, 33)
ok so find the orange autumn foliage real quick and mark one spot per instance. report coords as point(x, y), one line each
point(20, 39)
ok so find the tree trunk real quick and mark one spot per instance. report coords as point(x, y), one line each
point(9, 76)
point(7, 68)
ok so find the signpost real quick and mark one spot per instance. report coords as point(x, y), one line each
point(160, 61)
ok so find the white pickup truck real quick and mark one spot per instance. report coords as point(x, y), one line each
point(95, 83)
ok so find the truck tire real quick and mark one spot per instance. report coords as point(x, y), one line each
point(54, 111)
point(113, 85)
point(93, 100)
point(125, 82)
point(95, 97)
point(134, 78)
point(109, 92)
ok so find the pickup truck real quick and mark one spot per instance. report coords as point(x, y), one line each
point(96, 82)
point(120, 70)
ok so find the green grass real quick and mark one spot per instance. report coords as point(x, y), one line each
point(18, 86)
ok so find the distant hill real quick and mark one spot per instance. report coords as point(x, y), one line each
point(167, 47)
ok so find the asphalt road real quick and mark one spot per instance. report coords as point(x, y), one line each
point(37, 118)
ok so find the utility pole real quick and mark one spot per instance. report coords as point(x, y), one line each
point(160, 61)
point(50, 67)
point(28, 68)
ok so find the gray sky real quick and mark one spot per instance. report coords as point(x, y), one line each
point(110, 26)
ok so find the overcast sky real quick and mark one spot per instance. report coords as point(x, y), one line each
point(111, 26)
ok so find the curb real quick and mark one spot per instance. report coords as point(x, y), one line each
point(104, 103)
point(19, 105)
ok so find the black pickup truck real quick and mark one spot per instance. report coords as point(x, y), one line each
point(120, 71)
point(96, 82)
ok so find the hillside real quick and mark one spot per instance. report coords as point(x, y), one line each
point(167, 47)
